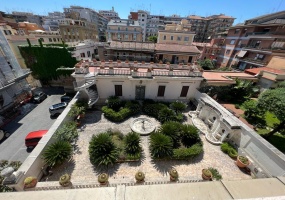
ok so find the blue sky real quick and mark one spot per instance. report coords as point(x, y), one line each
point(240, 9)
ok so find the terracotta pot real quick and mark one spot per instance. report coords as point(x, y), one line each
point(206, 177)
point(241, 164)
point(32, 184)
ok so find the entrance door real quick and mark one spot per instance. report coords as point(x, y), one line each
point(140, 92)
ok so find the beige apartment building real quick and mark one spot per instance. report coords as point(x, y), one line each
point(124, 30)
point(253, 43)
point(74, 29)
point(176, 34)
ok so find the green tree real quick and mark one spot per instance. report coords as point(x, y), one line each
point(251, 109)
point(172, 129)
point(273, 101)
point(132, 143)
point(206, 64)
point(189, 135)
point(281, 84)
point(152, 39)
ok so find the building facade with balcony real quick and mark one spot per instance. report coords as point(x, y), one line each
point(109, 14)
point(210, 50)
point(73, 30)
point(51, 22)
point(124, 30)
point(255, 42)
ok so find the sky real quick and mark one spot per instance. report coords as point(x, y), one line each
point(239, 9)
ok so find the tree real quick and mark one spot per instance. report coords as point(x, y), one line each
point(152, 39)
point(273, 101)
point(206, 64)
point(160, 146)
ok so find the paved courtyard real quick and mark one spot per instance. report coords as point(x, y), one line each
point(82, 170)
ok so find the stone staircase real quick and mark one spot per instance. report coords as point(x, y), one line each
point(93, 97)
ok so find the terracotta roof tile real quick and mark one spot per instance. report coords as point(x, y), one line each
point(267, 69)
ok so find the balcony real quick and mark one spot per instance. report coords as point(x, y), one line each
point(266, 50)
point(123, 31)
point(274, 34)
point(254, 61)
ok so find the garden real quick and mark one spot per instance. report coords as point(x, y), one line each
point(108, 150)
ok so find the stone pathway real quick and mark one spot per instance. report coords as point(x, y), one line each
point(83, 171)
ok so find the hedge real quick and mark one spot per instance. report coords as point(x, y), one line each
point(188, 153)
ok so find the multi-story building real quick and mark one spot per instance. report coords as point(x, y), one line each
point(253, 43)
point(27, 17)
point(51, 22)
point(26, 27)
point(91, 16)
point(210, 50)
point(14, 88)
point(176, 34)
point(124, 30)
point(75, 30)
point(84, 50)
point(109, 14)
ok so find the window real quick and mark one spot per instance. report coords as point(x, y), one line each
point(161, 90)
point(54, 39)
point(82, 55)
point(178, 38)
point(232, 41)
point(184, 91)
point(50, 40)
point(171, 37)
point(118, 28)
point(118, 90)
point(126, 29)
point(186, 38)
point(126, 36)
point(135, 29)
point(237, 31)
point(228, 52)
point(164, 37)
point(88, 53)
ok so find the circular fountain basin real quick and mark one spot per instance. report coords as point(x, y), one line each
point(143, 126)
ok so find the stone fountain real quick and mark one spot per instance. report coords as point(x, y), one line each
point(143, 126)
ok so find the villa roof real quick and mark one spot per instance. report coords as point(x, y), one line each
point(177, 48)
point(255, 71)
point(226, 77)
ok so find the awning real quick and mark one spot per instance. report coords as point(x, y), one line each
point(241, 54)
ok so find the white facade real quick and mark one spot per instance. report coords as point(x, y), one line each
point(110, 14)
point(84, 50)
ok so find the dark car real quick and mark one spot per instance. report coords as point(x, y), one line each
point(39, 97)
point(65, 99)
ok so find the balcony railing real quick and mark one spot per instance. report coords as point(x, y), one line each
point(252, 60)
point(264, 33)
point(273, 49)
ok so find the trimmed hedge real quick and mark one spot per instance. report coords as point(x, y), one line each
point(229, 149)
point(188, 153)
point(112, 115)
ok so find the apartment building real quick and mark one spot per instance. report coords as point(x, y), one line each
point(124, 30)
point(109, 14)
point(51, 22)
point(73, 30)
point(91, 16)
point(176, 34)
point(253, 43)
point(26, 17)
point(210, 50)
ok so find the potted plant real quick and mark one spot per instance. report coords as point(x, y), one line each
point(206, 174)
point(242, 161)
point(64, 180)
point(103, 179)
point(30, 182)
point(173, 175)
point(140, 177)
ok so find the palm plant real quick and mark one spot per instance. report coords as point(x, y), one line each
point(132, 143)
point(57, 153)
point(166, 114)
point(172, 129)
point(189, 135)
point(67, 132)
point(160, 146)
point(178, 106)
point(102, 150)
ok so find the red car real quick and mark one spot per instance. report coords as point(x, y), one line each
point(34, 137)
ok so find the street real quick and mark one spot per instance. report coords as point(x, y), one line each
point(13, 148)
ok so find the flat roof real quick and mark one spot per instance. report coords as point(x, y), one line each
point(267, 69)
point(214, 76)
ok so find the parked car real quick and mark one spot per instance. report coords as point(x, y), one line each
point(39, 97)
point(34, 137)
point(65, 99)
point(4, 134)
point(57, 109)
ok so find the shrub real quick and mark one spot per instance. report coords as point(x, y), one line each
point(166, 114)
point(102, 150)
point(134, 107)
point(188, 153)
point(132, 143)
point(116, 116)
point(237, 106)
point(229, 149)
point(171, 129)
point(189, 135)
point(160, 146)
point(57, 153)
point(216, 175)
point(179, 117)
point(114, 102)
point(76, 110)
point(153, 109)
point(178, 106)
point(67, 132)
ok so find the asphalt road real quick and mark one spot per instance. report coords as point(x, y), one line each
point(13, 148)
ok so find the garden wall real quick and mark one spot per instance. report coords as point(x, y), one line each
point(34, 163)
point(266, 160)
